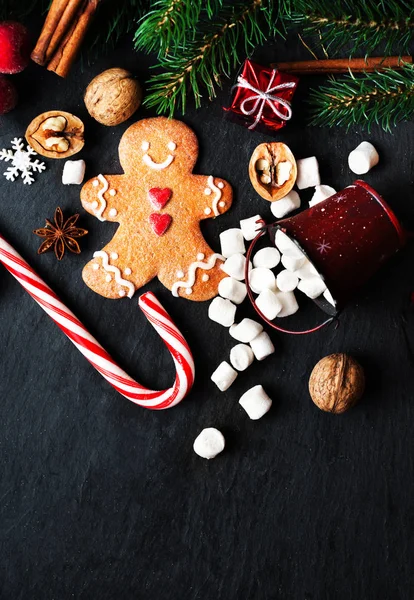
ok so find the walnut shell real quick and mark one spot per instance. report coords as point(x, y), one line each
point(56, 134)
point(113, 96)
point(336, 383)
point(272, 170)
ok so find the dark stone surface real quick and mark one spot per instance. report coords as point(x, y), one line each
point(103, 499)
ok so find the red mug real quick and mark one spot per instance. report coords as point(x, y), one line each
point(347, 237)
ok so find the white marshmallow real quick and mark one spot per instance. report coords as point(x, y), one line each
point(232, 242)
point(235, 266)
point(308, 173)
point(222, 311)
point(322, 192)
point(209, 443)
point(307, 270)
point(241, 357)
point(262, 279)
point(250, 227)
point(224, 376)
point(246, 330)
point(289, 304)
point(328, 297)
point(287, 281)
point(269, 304)
point(363, 158)
point(285, 205)
point(292, 263)
point(312, 286)
point(255, 402)
point(73, 172)
point(262, 346)
point(286, 245)
point(268, 258)
point(232, 289)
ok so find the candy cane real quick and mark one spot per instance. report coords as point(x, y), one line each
point(94, 352)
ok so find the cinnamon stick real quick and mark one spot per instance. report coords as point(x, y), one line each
point(69, 15)
point(342, 65)
point(63, 33)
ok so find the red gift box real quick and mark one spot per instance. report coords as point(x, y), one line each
point(263, 96)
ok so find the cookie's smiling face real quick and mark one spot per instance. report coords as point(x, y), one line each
point(158, 166)
point(158, 145)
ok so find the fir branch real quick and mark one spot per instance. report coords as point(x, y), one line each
point(113, 20)
point(211, 55)
point(383, 97)
point(360, 24)
point(170, 24)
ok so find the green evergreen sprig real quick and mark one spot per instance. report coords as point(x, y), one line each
point(383, 97)
point(361, 24)
point(212, 54)
point(171, 24)
point(113, 20)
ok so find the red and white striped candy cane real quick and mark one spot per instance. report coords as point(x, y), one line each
point(94, 352)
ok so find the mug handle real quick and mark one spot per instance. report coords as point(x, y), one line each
point(262, 231)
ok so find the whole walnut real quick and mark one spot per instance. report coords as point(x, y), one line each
point(336, 383)
point(113, 96)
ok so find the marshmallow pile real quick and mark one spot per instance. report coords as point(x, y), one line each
point(276, 297)
point(254, 342)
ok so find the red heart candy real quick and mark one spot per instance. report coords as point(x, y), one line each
point(159, 197)
point(160, 223)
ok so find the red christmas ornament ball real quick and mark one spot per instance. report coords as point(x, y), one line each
point(8, 95)
point(15, 47)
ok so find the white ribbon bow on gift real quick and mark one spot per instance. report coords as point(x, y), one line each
point(261, 98)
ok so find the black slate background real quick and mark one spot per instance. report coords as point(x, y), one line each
point(103, 499)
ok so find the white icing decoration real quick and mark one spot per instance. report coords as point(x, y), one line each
point(95, 266)
point(220, 185)
point(127, 271)
point(207, 191)
point(104, 188)
point(121, 293)
point(207, 211)
point(95, 183)
point(210, 183)
point(180, 274)
point(222, 204)
point(205, 277)
point(189, 291)
point(114, 256)
point(112, 192)
point(157, 166)
point(108, 278)
point(113, 212)
point(172, 146)
point(145, 146)
point(117, 273)
point(200, 256)
point(192, 272)
point(95, 204)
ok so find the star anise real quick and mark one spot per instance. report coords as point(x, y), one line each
point(60, 235)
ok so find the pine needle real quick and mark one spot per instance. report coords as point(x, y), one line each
point(362, 25)
point(383, 97)
point(212, 54)
point(113, 20)
point(171, 24)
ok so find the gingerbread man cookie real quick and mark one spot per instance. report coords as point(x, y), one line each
point(159, 204)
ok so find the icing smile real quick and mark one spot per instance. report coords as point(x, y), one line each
point(158, 166)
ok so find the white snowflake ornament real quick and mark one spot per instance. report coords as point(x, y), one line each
point(21, 162)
